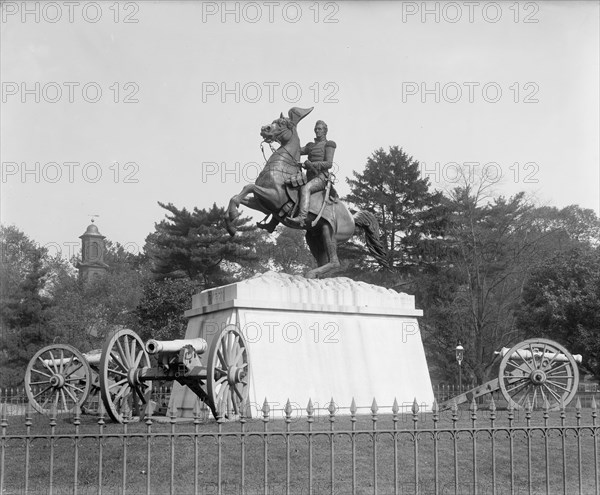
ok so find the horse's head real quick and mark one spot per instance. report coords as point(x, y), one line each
point(283, 128)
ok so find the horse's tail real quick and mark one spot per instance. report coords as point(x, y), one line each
point(369, 224)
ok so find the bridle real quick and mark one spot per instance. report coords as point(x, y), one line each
point(270, 143)
point(273, 150)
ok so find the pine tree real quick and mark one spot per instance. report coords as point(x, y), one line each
point(196, 245)
point(408, 212)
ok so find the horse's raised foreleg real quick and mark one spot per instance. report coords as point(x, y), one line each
point(232, 209)
point(330, 250)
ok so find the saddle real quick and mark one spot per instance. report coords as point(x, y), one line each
point(319, 200)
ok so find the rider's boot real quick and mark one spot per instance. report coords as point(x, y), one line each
point(300, 219)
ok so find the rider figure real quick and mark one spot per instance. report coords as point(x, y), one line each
point(320, 160)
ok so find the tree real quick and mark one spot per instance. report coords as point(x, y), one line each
point(290, 253)
point(161, 310)
point(567, 228)
point(23, 303)
point(407, 211)
point(482, 263)
point(561, 301)
point(83, 313)
point(196, 245)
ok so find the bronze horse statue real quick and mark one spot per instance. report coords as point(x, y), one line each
point(273, 195)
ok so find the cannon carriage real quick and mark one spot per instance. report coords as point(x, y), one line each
point(220, 381)
point(536, 373)
point(62, 378)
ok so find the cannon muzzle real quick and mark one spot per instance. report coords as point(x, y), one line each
point(93, 357)
point(174, 346)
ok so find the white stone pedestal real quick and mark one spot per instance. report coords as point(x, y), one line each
point(317, 339)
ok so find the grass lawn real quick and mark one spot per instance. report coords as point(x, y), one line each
point(174, 459)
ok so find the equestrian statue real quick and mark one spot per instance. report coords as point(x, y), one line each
point(305, 201)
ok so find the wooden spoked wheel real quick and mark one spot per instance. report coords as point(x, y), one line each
point(538, 370)
point(228, 372)
point(123, 356)
point(57, 378)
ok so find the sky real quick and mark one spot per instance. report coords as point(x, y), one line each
point(110, 107)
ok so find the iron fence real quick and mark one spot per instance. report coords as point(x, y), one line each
point(16, 398)
point(482, 450)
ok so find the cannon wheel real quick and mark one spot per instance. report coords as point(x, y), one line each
point(57, 376)
point(228, 372)
point(123, 355)
point(535, 377)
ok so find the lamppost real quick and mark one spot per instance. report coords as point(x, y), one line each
point(460, 351)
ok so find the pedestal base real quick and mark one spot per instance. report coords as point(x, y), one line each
point(319, 340)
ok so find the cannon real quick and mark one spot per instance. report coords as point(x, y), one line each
point(61, 377)
point(537, 372)
point(220, 381)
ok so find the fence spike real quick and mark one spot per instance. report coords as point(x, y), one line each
point(149, 410)
point(77, 415)
point(528, 407)
point(53, 414)
point(3, 415)
point(374, 406)
point(148, 417)
point(546, 405)
point(288, 410)
point(578, 405)
point(29, 411)
point(126, 412)
point(353, 407)
point(473, 406)
point(396, 407)
point(244, 412)
point(594, 405)
point(221, 410)
point(197, 411)
point(435, 409)
point(332, 409)
point(266, 410)
point(415, 406)
point(101, 412)
point(492, 406)
point(28, 414)
point(310, 409)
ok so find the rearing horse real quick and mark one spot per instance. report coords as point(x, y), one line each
point(273, 195)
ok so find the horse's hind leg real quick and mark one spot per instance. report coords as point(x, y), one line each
point(327, 254)
point(315, 244)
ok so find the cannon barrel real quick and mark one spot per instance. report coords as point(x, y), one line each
point(92, 357)
point(60, 361)
point(526, 355)
point(174, 346)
